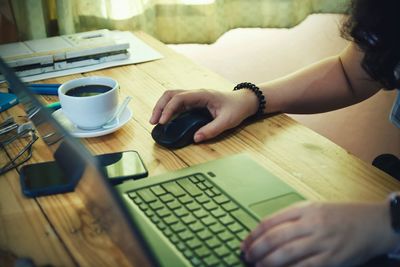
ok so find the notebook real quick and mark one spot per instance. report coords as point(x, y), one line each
point(196, 216)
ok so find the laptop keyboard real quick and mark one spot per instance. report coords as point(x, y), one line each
point(199, 219)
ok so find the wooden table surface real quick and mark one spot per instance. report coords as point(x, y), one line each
point(58, 230)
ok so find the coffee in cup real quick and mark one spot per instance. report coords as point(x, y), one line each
point(88, 90)
point(89, 102)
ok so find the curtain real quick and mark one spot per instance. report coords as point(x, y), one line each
point(171, 21)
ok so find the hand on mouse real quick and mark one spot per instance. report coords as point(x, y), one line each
point(321, 234)
point(229, 109)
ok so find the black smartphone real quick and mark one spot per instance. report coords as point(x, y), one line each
point(122, 166)
point(47, 178)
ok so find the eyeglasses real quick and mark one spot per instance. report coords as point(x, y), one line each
point(16, 146)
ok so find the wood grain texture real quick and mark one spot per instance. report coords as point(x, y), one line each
point(61, 226)
point(24, 229)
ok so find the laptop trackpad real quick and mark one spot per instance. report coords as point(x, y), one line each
point(269, 206)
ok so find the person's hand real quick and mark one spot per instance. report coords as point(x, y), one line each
point(321, 234)
point(229, 109)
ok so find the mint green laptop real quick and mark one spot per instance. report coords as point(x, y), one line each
point(198, 216)
point(195, 216)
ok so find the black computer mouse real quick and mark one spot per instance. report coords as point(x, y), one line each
point(179, 131)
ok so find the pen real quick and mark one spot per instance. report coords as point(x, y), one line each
point(54, 105)
point(44, 89)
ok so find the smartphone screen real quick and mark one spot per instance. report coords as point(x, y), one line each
point(47, 178)
point(42, 176)
point(122, 165)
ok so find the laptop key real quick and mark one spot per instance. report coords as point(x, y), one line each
point(211, 260)
point(155, 219)
point(202, 251)
point(242, 235)
point(147, 195)
point(193, 206)
point(149, 213)
point(174, 239)
point(135, 198)
point(185, 235)
point(208, 184)
point(200, 177)
point(237, 252)
point(218, 212)
point(221, 199)
point(174, 204)
point(201, 186)
point(231, 260)
point(190, 188)
point(167, 198)
point(210, 206)
point(245, 219)
point(202, 199)
point(174, 189)
point(204, 234)
point(186, 199)
point(213, 242)
point(132, 195)
point(181, 246)
point(193, 243)
point(143, 206)
point(156, 205)
point(163, 212)
point(222, 251)
point(180, 212)
point(230, 206)
point(216, 191)
point(188, 219)
point(168, 232)
point(208, 220)
point(161, 225)
point(178, 227)
point(225, 236)
point(193, 179)
point(210, 193)
point(235, 227)
point(200, 213)
point(195, 261)
point(188, 253)
point(158, 190)
point(195, 227)
point(233, 244)
point(217, 228)
point(226, 220)
point(170, 220)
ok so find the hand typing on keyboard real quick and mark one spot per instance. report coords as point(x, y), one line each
point(321, 234)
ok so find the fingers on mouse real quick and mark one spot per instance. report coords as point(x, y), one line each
point(179, 131)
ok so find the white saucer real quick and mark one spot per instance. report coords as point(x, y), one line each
point(77, 132)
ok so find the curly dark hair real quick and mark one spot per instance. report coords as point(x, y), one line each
point(374, 25)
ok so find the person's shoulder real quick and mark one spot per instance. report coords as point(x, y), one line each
point(395, 113)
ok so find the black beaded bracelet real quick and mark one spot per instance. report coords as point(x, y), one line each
point(259, 94)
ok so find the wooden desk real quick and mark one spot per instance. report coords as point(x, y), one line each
point(57, 230)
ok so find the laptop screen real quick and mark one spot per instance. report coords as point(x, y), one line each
point(92, 187)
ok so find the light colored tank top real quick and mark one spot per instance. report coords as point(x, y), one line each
point(395, 113)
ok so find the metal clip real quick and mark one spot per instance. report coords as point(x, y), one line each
point(8, 125)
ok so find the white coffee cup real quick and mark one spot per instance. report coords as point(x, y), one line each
point(89, 112)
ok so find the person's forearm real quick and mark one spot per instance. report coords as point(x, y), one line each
point(330, 84)
point(318, 88)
